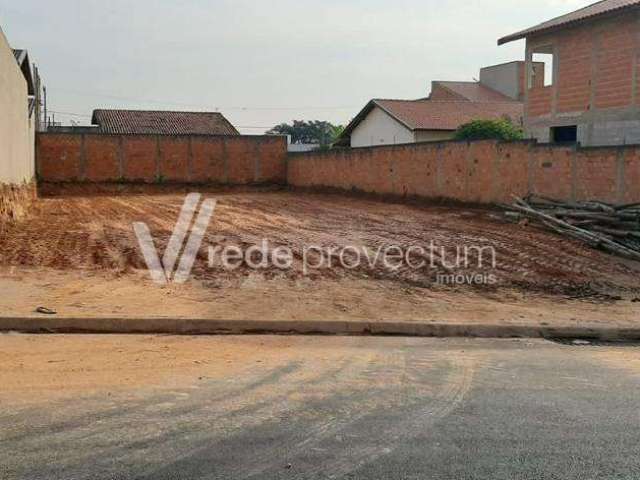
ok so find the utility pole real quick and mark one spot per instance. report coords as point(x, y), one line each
point(46, 119)
point(38, 99)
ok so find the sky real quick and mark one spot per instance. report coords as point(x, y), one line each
point(261, 62)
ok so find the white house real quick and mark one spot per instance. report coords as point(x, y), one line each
point(498, 95)
point(393, 122)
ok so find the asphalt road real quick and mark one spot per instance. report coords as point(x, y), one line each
point(370, 408)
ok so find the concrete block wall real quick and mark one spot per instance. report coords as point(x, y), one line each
point(479, 172)
point(16, 138)
point(88, 157)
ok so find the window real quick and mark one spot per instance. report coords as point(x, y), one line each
point(542, 67)
point(564, 134)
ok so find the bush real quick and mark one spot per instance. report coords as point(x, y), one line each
point(489, 130)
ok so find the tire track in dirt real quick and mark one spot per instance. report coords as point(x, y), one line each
point(95, 232)
point(252, 400)
point(384, 383)
point(424, 413)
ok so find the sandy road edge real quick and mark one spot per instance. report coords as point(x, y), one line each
point(170, 326)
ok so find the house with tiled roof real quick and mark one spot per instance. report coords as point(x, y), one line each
point(497, 95)
point(394, 122)
point(147, 122)
point(588, 91)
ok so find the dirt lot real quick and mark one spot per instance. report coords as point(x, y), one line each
point(78, 253)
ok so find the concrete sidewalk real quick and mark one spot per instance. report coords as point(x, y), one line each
point(88, 302)
point(172, 326)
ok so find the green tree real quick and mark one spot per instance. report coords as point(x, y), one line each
point(316, 132)
point(489, 130)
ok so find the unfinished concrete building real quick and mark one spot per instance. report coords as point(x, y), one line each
point(588, 90)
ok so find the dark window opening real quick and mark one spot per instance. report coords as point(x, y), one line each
point(564, 134)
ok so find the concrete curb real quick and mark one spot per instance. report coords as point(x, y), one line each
point(263, 327)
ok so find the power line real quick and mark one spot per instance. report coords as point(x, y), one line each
point(70, 114)
point(163, 102)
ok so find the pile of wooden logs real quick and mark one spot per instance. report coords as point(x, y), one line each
point(613, 228)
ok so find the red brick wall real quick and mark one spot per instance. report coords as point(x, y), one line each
point(574, 71)
point(208, 159)
point(68, 157)
point(551, 171)
point(596, 64)
point(60, 160)
point(630, 176)
point(478, 172)
point(102, 162)
point(244, 159)
point(539, 102)
point(174, 159)
point(511, 173)
point(591, 172)
point(614, 79)
point(140, 157)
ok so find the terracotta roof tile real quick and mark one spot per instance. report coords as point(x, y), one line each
point(162, 122)
point(443, 115)
point(587, 13)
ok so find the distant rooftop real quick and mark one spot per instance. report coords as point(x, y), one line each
point(436, 114)
point(605, 7)
point(443, 115)
point(162, 122)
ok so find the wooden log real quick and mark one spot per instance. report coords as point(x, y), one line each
point(592, 238)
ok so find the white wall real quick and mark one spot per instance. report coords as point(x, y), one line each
point(380, 128)
point(434, 135)
point(16, 138)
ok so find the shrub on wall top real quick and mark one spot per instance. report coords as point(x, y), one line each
point(489, 130)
